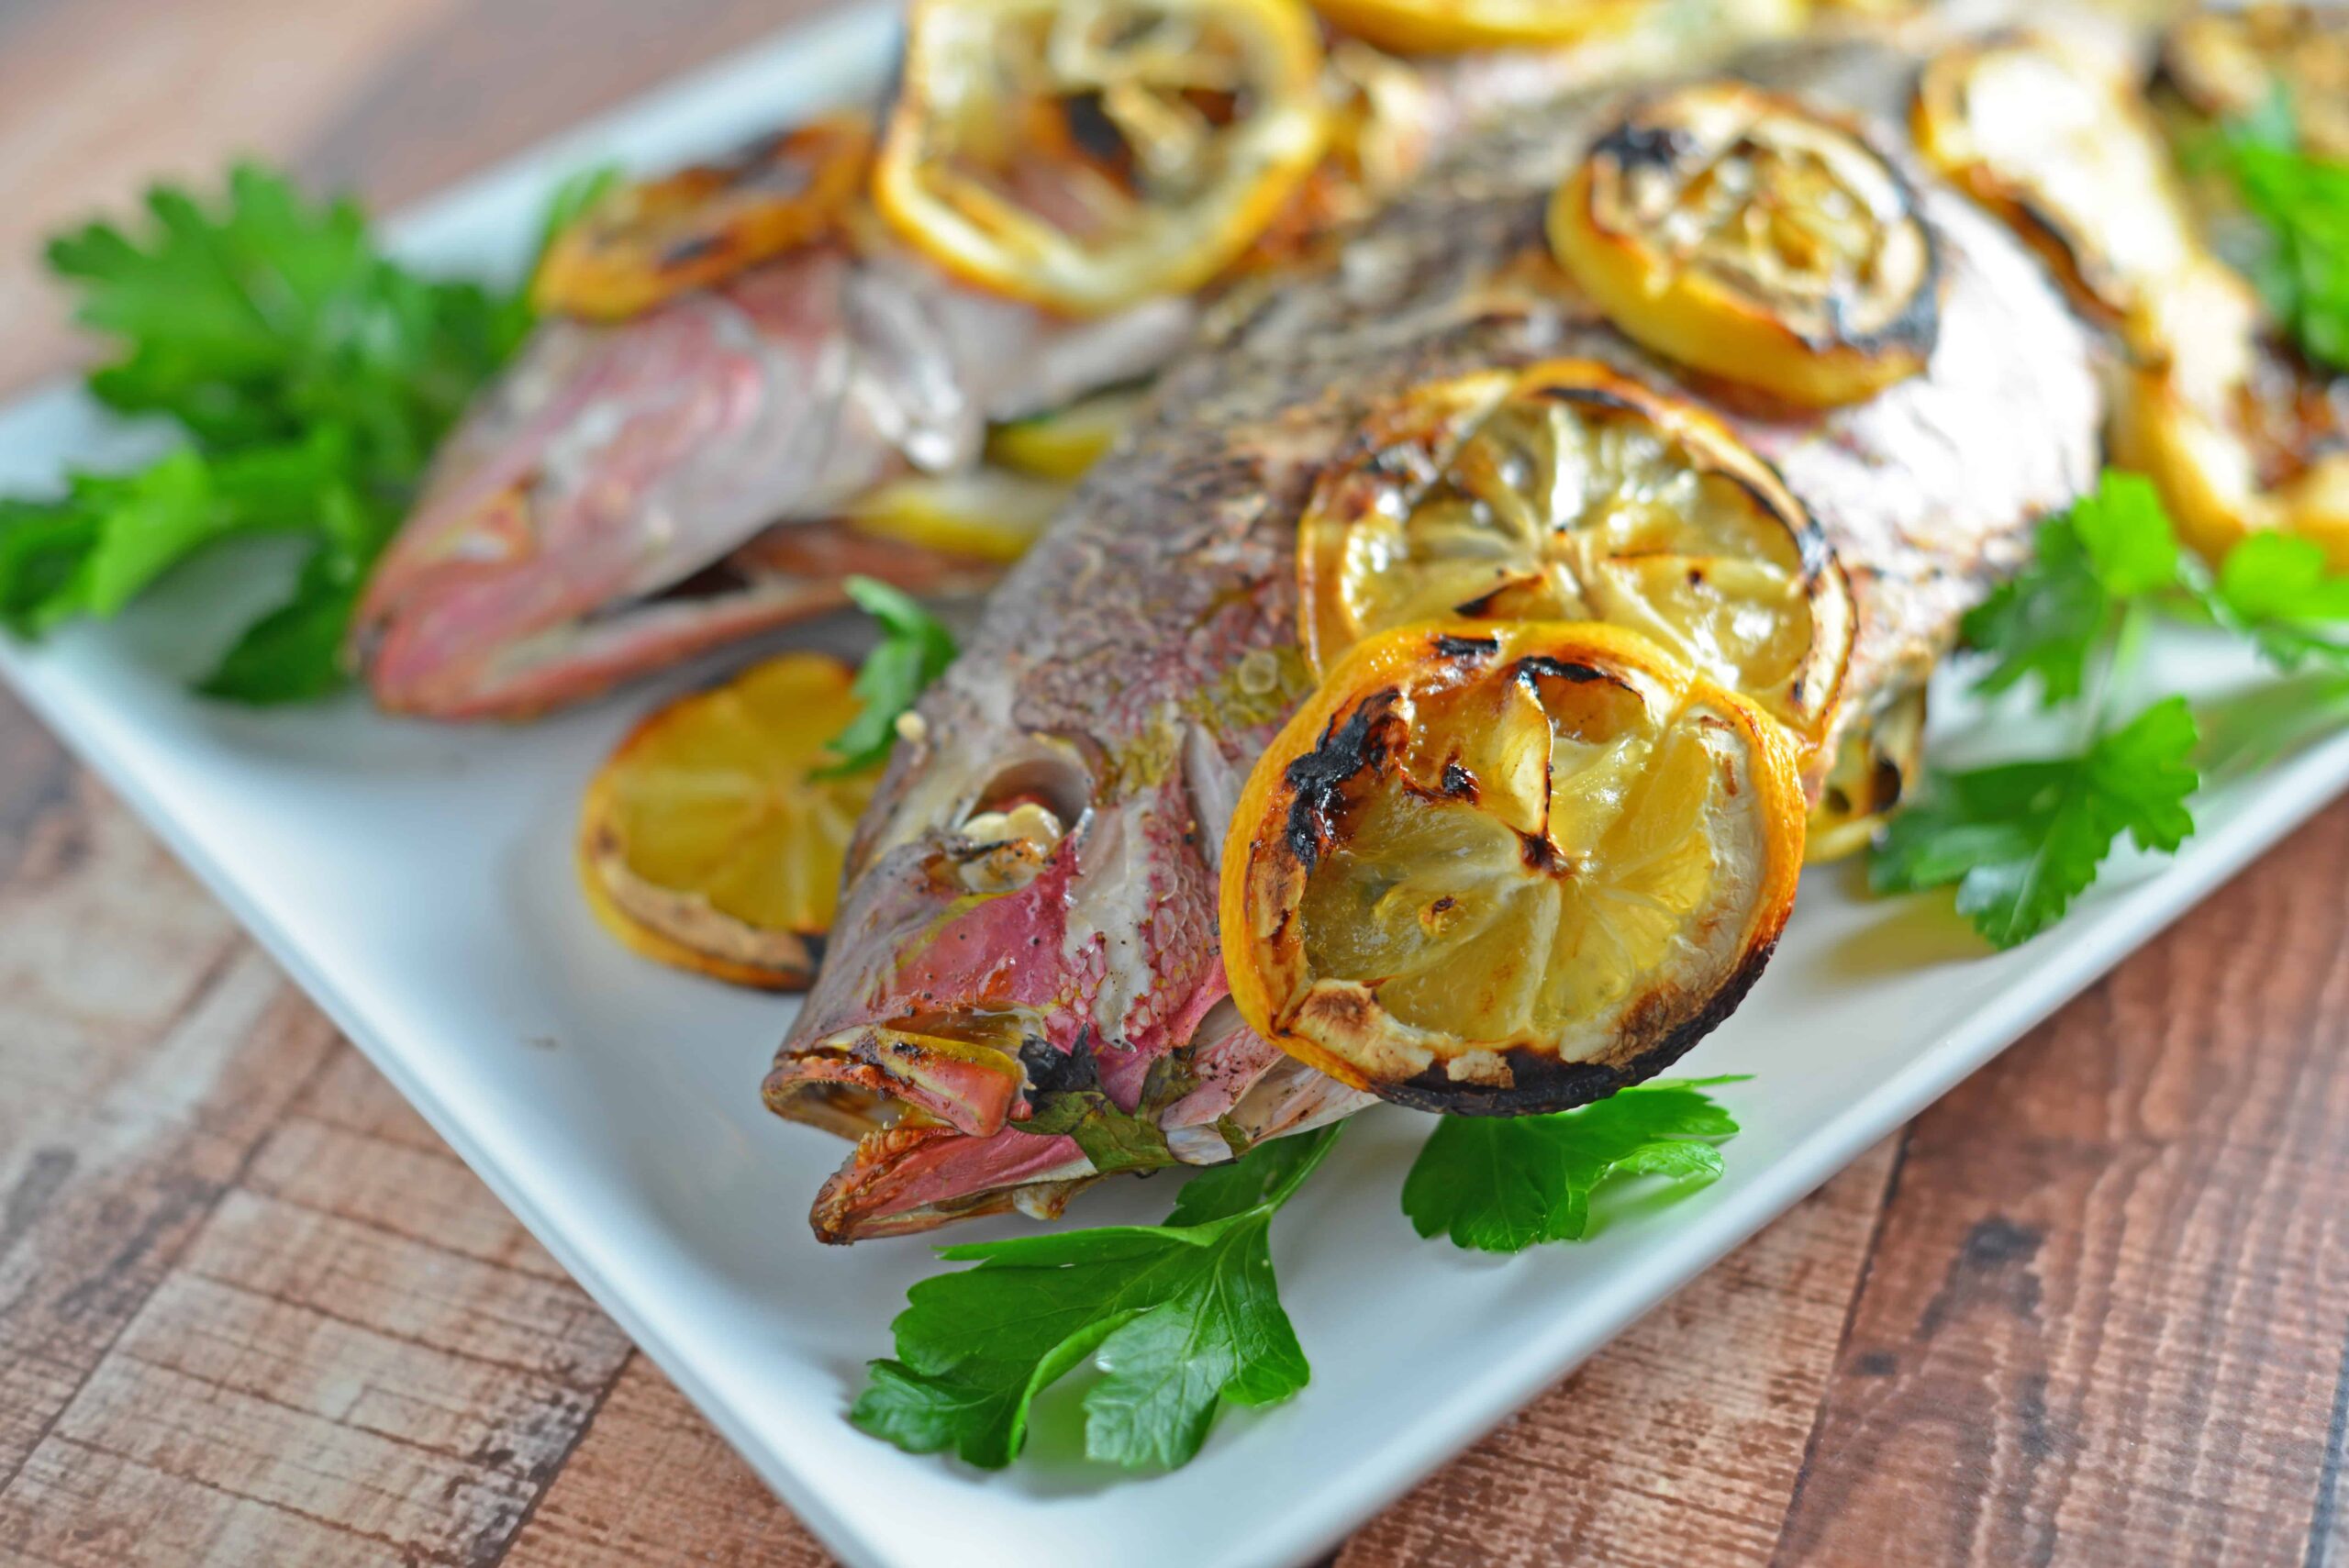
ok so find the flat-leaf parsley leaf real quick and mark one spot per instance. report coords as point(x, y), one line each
point(1177, 1317)
point(1503, 1183)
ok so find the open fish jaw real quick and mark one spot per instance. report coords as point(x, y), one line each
point(1137, 661)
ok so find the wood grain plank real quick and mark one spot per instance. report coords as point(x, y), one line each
point(346, 1269)
point(318, 1377)
point(148, 1051)
point(99, 98)
point(79, 1508)
point(2105, 1319)
point(652, 1486)
point(1680, 1442)
point(493, 79)
point(424, 1194)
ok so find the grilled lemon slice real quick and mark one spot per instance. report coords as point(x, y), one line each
point(650, 241)
point(1380, 117)
point(987, 514)
point(1875, 768)
point(1747, 236)
point(2066, 156)
point(2235, 430)
point(1450, 26)
point(2230, 64)
point(1065, 442)
point(708, 842)
point(1567, 492)
point(1086, 154)
point(1506, 869)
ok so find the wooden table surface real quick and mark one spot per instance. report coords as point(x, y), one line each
point(2091, 1308)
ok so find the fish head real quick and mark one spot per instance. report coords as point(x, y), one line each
point(1018, 908)
point(609, 466)
point(589, 518)
point(1023, 989)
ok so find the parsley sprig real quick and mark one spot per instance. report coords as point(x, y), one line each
point(914, 651)
point(310, 379)
point(1503, 1183)
point(1176, 1318)
point(2021, 842)
point(2301, 205)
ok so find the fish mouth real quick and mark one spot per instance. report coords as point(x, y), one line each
point(961, 1071)
point(1031, 1000)
point(959, 1116)
point(934, 1102)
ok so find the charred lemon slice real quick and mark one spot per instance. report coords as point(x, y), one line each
point(2235, 430)
point(2230, 64)
point(1753, 239)
point(987, 514)
point(1567, 492)
point(2066, 156)
point(1085, 154)
point(1063, 444)
point(1506, 869)
point(709, 841)
point(648, 241)
point(1875, 768)
point(1380, 113)
point(1450, 26)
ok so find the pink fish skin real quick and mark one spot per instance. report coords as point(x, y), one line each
point(602, 510)
point(1131, 667)
point(589, 521)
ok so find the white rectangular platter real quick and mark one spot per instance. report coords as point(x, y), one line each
point(417, 882)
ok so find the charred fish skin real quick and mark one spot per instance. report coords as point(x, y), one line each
point(1132, 666)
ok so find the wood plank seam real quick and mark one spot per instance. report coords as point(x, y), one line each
point(2325, 1523)
point(487, 1553)
point(214, 976)
point(260, 1396)
point(407, 1552)
point(421, 1343)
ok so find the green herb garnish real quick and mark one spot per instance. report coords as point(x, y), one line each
point(914, 651)
point(2021, 842)
point(1503, 1183)
point(1176, 1318)
point(2302, 203)
point(311, 379)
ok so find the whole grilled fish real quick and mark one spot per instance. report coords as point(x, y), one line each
point(1023, 989)
point(621, 498)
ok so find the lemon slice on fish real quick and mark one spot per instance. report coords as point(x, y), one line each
point(1754, 239)
point(1450, 26)
point(1875, 767)
point(652, 239)
point(988, 513)
point(1568, 491)
point(2238, 434)
point(2064, 155)
point(709, 841)
point(1087, 154)
point(1507, 869)
point(1382, 114)
point(1063, 444)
